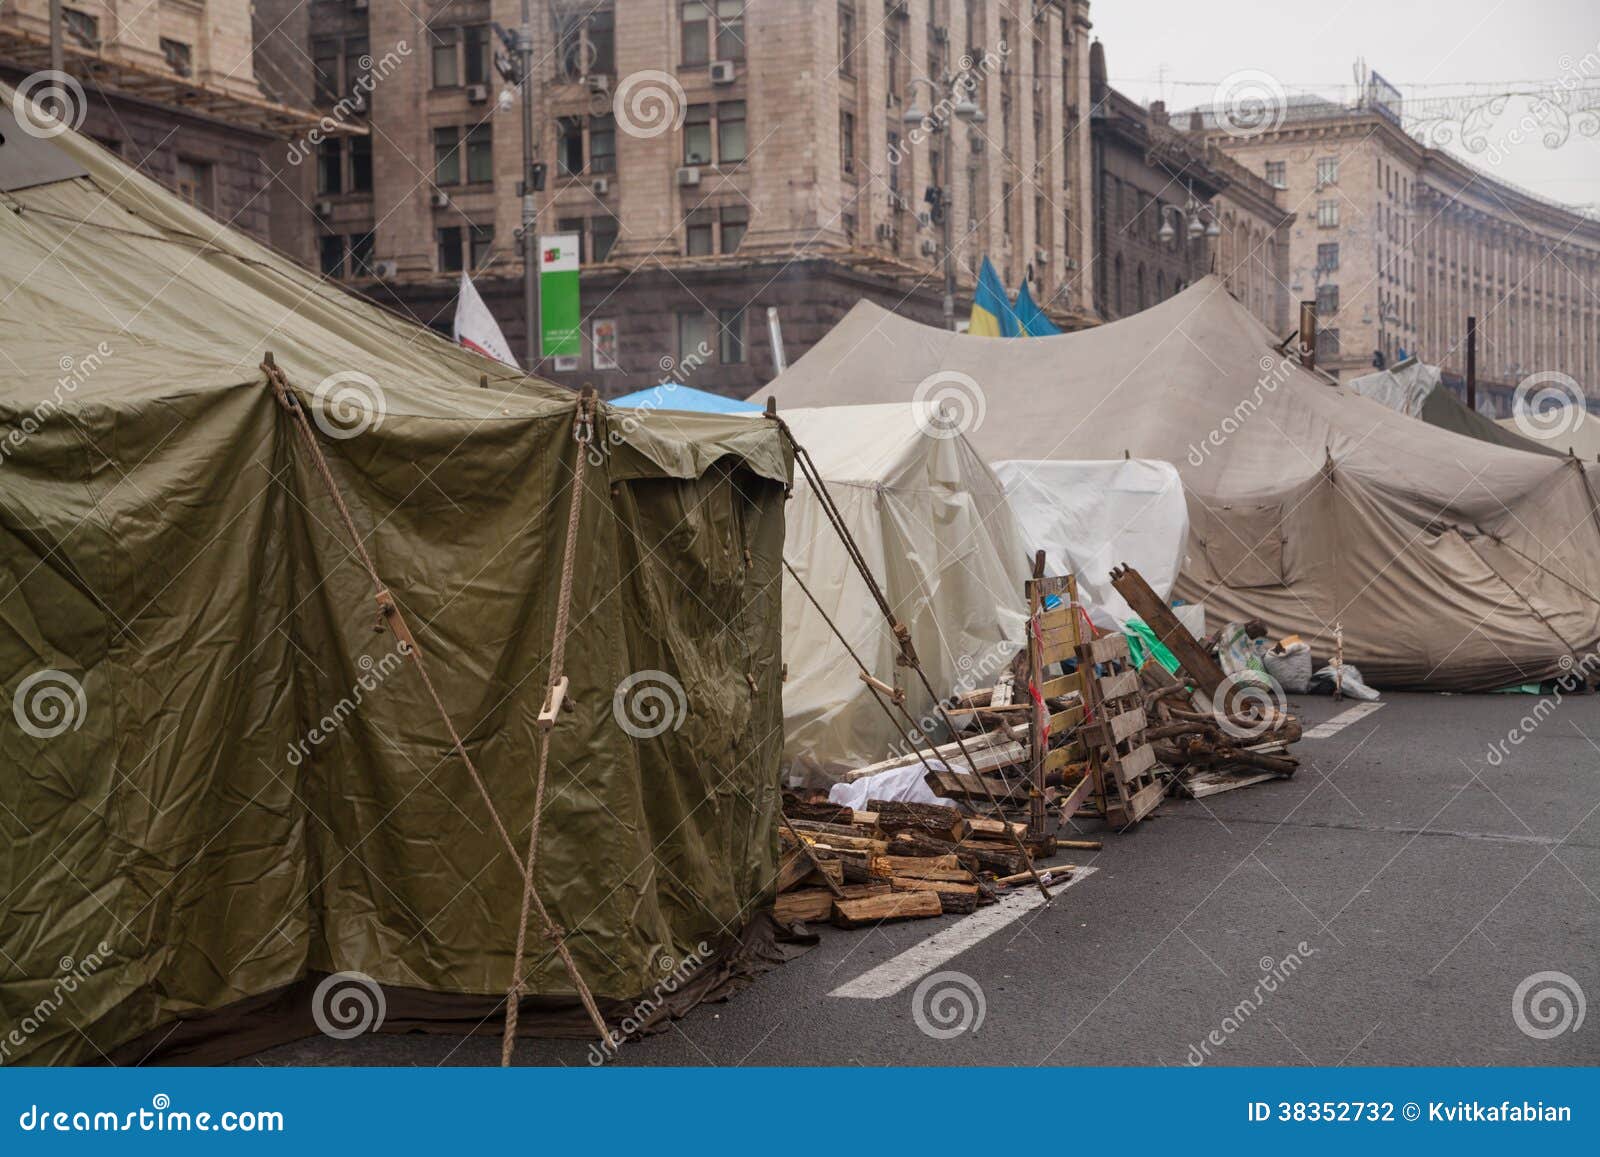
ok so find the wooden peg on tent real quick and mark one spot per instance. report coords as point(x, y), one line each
point(553, 701)
point(895, 694)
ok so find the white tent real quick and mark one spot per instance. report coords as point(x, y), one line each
point(1090, 516)
point(937, 533)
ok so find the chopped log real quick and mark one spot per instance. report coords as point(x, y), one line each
point(993, 829)
point(812, 827)
point(824, 871)
point(1059, 874)
point(792, 868)
point(974, 856)
point(944, 823)
point(942, 887)
point(826, 813)
point(1080, 845)
point(960, 905)
point(892, 906)
point(910, 865)
point(814, 904)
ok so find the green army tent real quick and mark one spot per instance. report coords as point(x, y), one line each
point(220, 782)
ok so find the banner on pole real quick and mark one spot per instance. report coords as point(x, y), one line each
point(560, 322)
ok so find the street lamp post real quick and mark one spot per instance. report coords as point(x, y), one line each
point(516, 67)
point(951, 103)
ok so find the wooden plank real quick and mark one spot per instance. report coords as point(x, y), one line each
point(1153, 609)
point(998, 748)
point(1056, 618)
point(1075, 798)
point(1138, 761)
point(1141, 804)
point(1205, 783)
point(1121, 684)
point(893, 906)
point(1117, 728)
point(1064, 721)
point(915, 865)
point(1064, 636)
point(1063, 586)
point(963, 785)
point(1061, 685)
point(1107, 648)
point(939, 887)
point(1067, 753)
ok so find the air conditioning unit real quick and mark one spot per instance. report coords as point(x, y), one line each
point(440, 199)
point(930, 248)
point(1072, 264)
point(689, 175)
point(924, 219)
point(385, 270)
point(723, 72)
point(477, 94)
point(323, 208)
point(601, 186)
point(598, 83)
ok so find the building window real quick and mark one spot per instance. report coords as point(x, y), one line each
point(480, 154)
point(587, 44)
point(697, 241)
point(730, 132)
point(1328, 255)
point(602, 236)
point(195, 183)
point(325, 65)
point(1327, 344)
point(1277, 175)
point(330, 252)
point(449, 249)
point(893, 154)
point(1327, 170)
point(847, 41)
point(330, 166)
point(481, 238)
point(569, 145)
point(735, 221)
point(1328, 213)
point(730, 336)
point(697, 135)
point(891, 63)
point(82, 27)
point(460, 55)
point(356, 49)
point(603, 144)
point(577, 227)
point(180, 56)
point(847, 142)
point(362, 246)
point(730, 29)
point(1327, 300)
point(695, 30)
point(694, 336)
point(446, 156)
point(361, 164)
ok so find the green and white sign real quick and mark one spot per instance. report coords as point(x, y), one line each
point(560, 322)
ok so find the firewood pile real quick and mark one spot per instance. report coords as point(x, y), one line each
point(900, 861)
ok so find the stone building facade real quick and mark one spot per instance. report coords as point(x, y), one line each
point(785, 173)
point(1169, 208)
point(169, 86)
point(1398, 243)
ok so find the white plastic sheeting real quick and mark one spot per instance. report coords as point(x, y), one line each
point(1090, 516)
point(933, 523)
point(1404, 388)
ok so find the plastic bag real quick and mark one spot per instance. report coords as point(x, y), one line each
point(1291, 667)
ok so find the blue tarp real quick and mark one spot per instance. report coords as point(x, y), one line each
point(672, 396)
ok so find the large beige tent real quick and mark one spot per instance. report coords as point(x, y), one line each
point(1447, 562)
point(933, 524)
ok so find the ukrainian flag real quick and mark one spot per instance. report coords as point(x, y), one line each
point(1031, 320)
point(992, 315)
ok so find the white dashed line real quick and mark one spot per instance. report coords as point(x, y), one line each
point(1342, 720)
point(920, 959)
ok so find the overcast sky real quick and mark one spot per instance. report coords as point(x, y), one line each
point(1180, 51)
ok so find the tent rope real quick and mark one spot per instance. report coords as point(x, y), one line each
point(390, 616)
point(908, 653)
point(583, 435)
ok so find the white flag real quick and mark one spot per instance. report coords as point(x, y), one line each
point(476, 327)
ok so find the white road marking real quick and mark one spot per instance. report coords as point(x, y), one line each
point(1342, 720)
point(920, 959)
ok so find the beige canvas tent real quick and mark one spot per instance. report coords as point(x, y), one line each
point(933, 523)
point(1447, 562)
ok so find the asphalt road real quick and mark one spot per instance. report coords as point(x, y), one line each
point(1383, 907)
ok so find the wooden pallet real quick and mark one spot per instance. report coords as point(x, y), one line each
point(1053, 618)
point(1124, 764)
